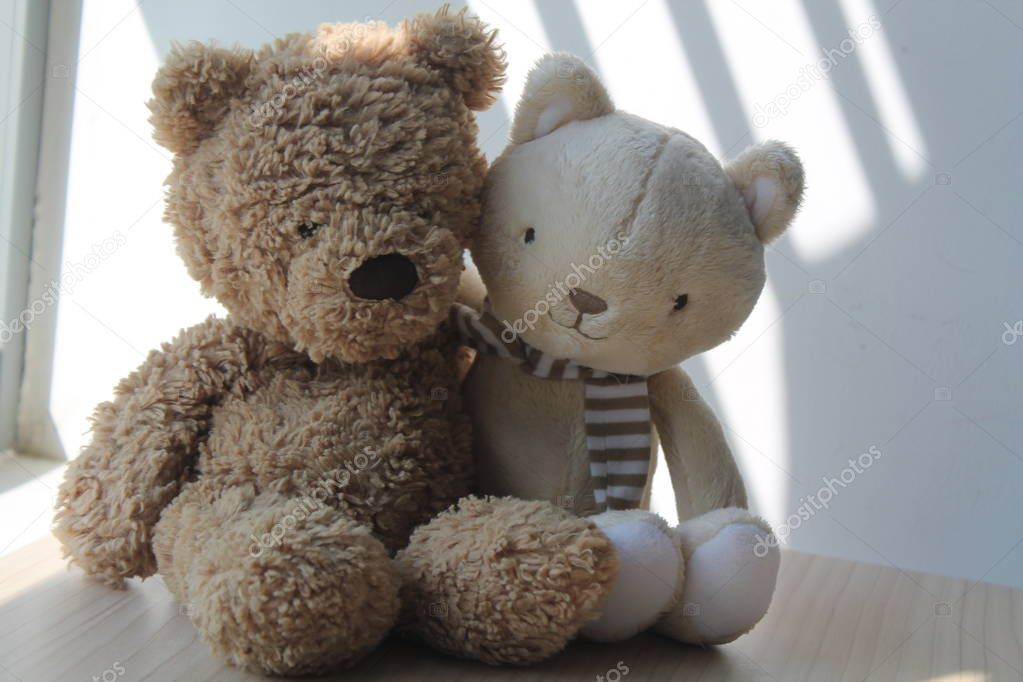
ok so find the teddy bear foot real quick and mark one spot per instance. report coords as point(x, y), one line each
point(731, 567)
point(274, 585)
point(649, 578)
point(503, 580)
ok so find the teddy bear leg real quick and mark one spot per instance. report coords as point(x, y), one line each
point(504, 580)
point(650, 574)
point(732, 563)
point(280, 585)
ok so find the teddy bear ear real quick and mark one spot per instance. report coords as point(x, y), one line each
point(192, 92)
point(462, 48)
point(769, 177)
point(559, 89)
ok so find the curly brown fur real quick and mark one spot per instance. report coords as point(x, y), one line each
point(355, 129)
point(143, 443)
point(505, 580)
point(329, 585)
point(460, 46)
point(266, 464)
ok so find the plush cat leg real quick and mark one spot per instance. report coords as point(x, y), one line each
point(731, 567)
point(650, 574)
point(728, 583)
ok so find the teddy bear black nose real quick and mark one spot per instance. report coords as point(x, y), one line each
point(392, 276)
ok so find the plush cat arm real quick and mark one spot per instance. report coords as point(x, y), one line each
point(143, 443)
point(702, 469)
point(471, 290)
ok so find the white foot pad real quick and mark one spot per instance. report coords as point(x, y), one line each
point(649, 566)
point(728, 587)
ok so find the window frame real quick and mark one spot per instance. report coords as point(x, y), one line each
point(23, 41)
point(33, 199)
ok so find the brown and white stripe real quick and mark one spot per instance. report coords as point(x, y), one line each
point(617, 407)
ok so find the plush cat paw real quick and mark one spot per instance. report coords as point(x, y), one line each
point(649, 577)
point(731, 568)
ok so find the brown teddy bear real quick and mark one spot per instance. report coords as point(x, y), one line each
point(267, 464)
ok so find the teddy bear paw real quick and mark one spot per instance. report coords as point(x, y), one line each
point(317, 596)
point(503, 580)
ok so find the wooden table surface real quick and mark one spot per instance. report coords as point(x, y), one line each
point(830, 620)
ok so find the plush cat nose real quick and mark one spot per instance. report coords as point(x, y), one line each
point(392, 276)
point(587, 303)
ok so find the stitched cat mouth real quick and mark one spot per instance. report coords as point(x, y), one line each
point(575, 327)
point(591, 338)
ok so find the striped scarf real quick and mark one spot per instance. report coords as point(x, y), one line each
point(617, 414)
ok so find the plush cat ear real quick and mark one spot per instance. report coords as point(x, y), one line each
point(559, 89)
point(770, 178)
point(461, 47)
point(192, 92)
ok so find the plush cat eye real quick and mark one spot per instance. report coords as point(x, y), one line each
point(529, 236)
point(681, 301)
point(307, 230)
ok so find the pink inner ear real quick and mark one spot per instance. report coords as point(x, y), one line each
point(759, 197)
point(557, 113)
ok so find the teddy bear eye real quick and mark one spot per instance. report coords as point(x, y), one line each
point(681, 301)
point(307, 230)
point(426, 215)
point(529, 236)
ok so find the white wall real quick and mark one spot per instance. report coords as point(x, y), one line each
point(881, 329)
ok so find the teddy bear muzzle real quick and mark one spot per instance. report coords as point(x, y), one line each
point(390, 276)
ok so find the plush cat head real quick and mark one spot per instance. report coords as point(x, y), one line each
point(621, 243)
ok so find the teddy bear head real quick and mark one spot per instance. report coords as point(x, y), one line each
point(620, 243)
point(325, 186)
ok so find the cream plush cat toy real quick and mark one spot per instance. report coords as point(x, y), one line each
point(612, 249)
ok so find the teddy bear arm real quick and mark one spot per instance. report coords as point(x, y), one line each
point(143, 443)
point(703, 472)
